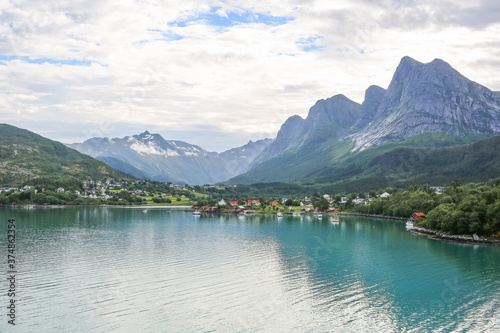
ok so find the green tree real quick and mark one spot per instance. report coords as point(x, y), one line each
point(322, 204)
point(438, 218)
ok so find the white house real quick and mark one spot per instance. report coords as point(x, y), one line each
point(26, 187)
point(222, 202)
point(60, 189)
point(384, 195)
point(359, 201)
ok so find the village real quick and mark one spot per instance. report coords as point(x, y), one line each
point(206, 198)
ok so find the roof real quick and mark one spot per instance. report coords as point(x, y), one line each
point(419, 215)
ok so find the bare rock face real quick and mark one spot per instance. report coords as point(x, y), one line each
point(369, 108)
point(429, 97)
point(337, 111)
point(421, 98)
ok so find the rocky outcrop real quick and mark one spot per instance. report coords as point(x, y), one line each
point(454, 238)
point(369, 108)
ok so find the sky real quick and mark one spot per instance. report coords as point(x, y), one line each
point(219, 73)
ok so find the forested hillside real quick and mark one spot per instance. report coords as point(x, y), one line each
point(25, 155)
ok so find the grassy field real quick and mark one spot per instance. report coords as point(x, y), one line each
point(183, 202)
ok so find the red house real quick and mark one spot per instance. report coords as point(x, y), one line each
point(418, 216)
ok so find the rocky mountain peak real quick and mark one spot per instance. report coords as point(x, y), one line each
point(369, 108)
point(334, 110)
point(430, 97)
point(338, 111)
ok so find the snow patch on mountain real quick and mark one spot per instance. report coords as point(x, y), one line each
point(149, 148)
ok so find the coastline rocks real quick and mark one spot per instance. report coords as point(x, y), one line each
point(455, 238)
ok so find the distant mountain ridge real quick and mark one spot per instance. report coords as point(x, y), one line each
point(151, 156)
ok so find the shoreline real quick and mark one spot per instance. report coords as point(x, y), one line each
point(432, 234)
point(436, 235)
point(374, 216)
point(187, 208)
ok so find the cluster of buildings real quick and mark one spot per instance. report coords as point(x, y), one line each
point(15, 189)
point(304, 202)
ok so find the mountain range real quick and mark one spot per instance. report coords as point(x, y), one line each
point(150, 156)
point(425, 105)
point(431, 125)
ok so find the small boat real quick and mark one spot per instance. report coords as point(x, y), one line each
point(196, 213)
point(296, 214)
point(409, 224)
point(335, 219)
point(320, 216)
point(279, 214)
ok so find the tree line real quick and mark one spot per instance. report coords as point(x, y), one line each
point(461, 209)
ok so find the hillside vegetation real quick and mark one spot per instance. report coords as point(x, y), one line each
point(433, 158)
point(461, 209)
point(25, 155)
point(412, 162)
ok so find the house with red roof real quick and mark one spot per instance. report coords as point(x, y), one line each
point(252, 203)
point(418, 216)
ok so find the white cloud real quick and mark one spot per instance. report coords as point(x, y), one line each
point(140, 70)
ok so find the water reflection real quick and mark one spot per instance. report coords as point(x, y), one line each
point(115, 269)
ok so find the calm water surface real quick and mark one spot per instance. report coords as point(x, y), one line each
point(129, 270)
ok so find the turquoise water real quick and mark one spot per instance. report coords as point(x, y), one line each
point(129, 270)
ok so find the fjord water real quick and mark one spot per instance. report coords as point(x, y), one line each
point(160, 270)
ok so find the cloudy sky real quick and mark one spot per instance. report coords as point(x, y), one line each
point(219, 73)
